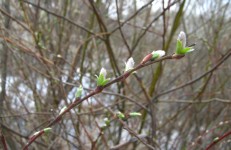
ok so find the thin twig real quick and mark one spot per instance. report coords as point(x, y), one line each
point(99, 90)
point(196, 79)
point(218, 140)
point(3, 140)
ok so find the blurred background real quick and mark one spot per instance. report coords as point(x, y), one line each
point(48, 48)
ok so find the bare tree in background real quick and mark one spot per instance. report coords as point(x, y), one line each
point(49, 48)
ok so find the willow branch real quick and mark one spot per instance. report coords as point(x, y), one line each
point(98, 90)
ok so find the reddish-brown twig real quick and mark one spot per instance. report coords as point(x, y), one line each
point(218, 140)
point(96, 91)
point(3, 140)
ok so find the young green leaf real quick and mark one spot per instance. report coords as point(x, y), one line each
point(79, 92)
point(181, 48)
point(101, 79)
